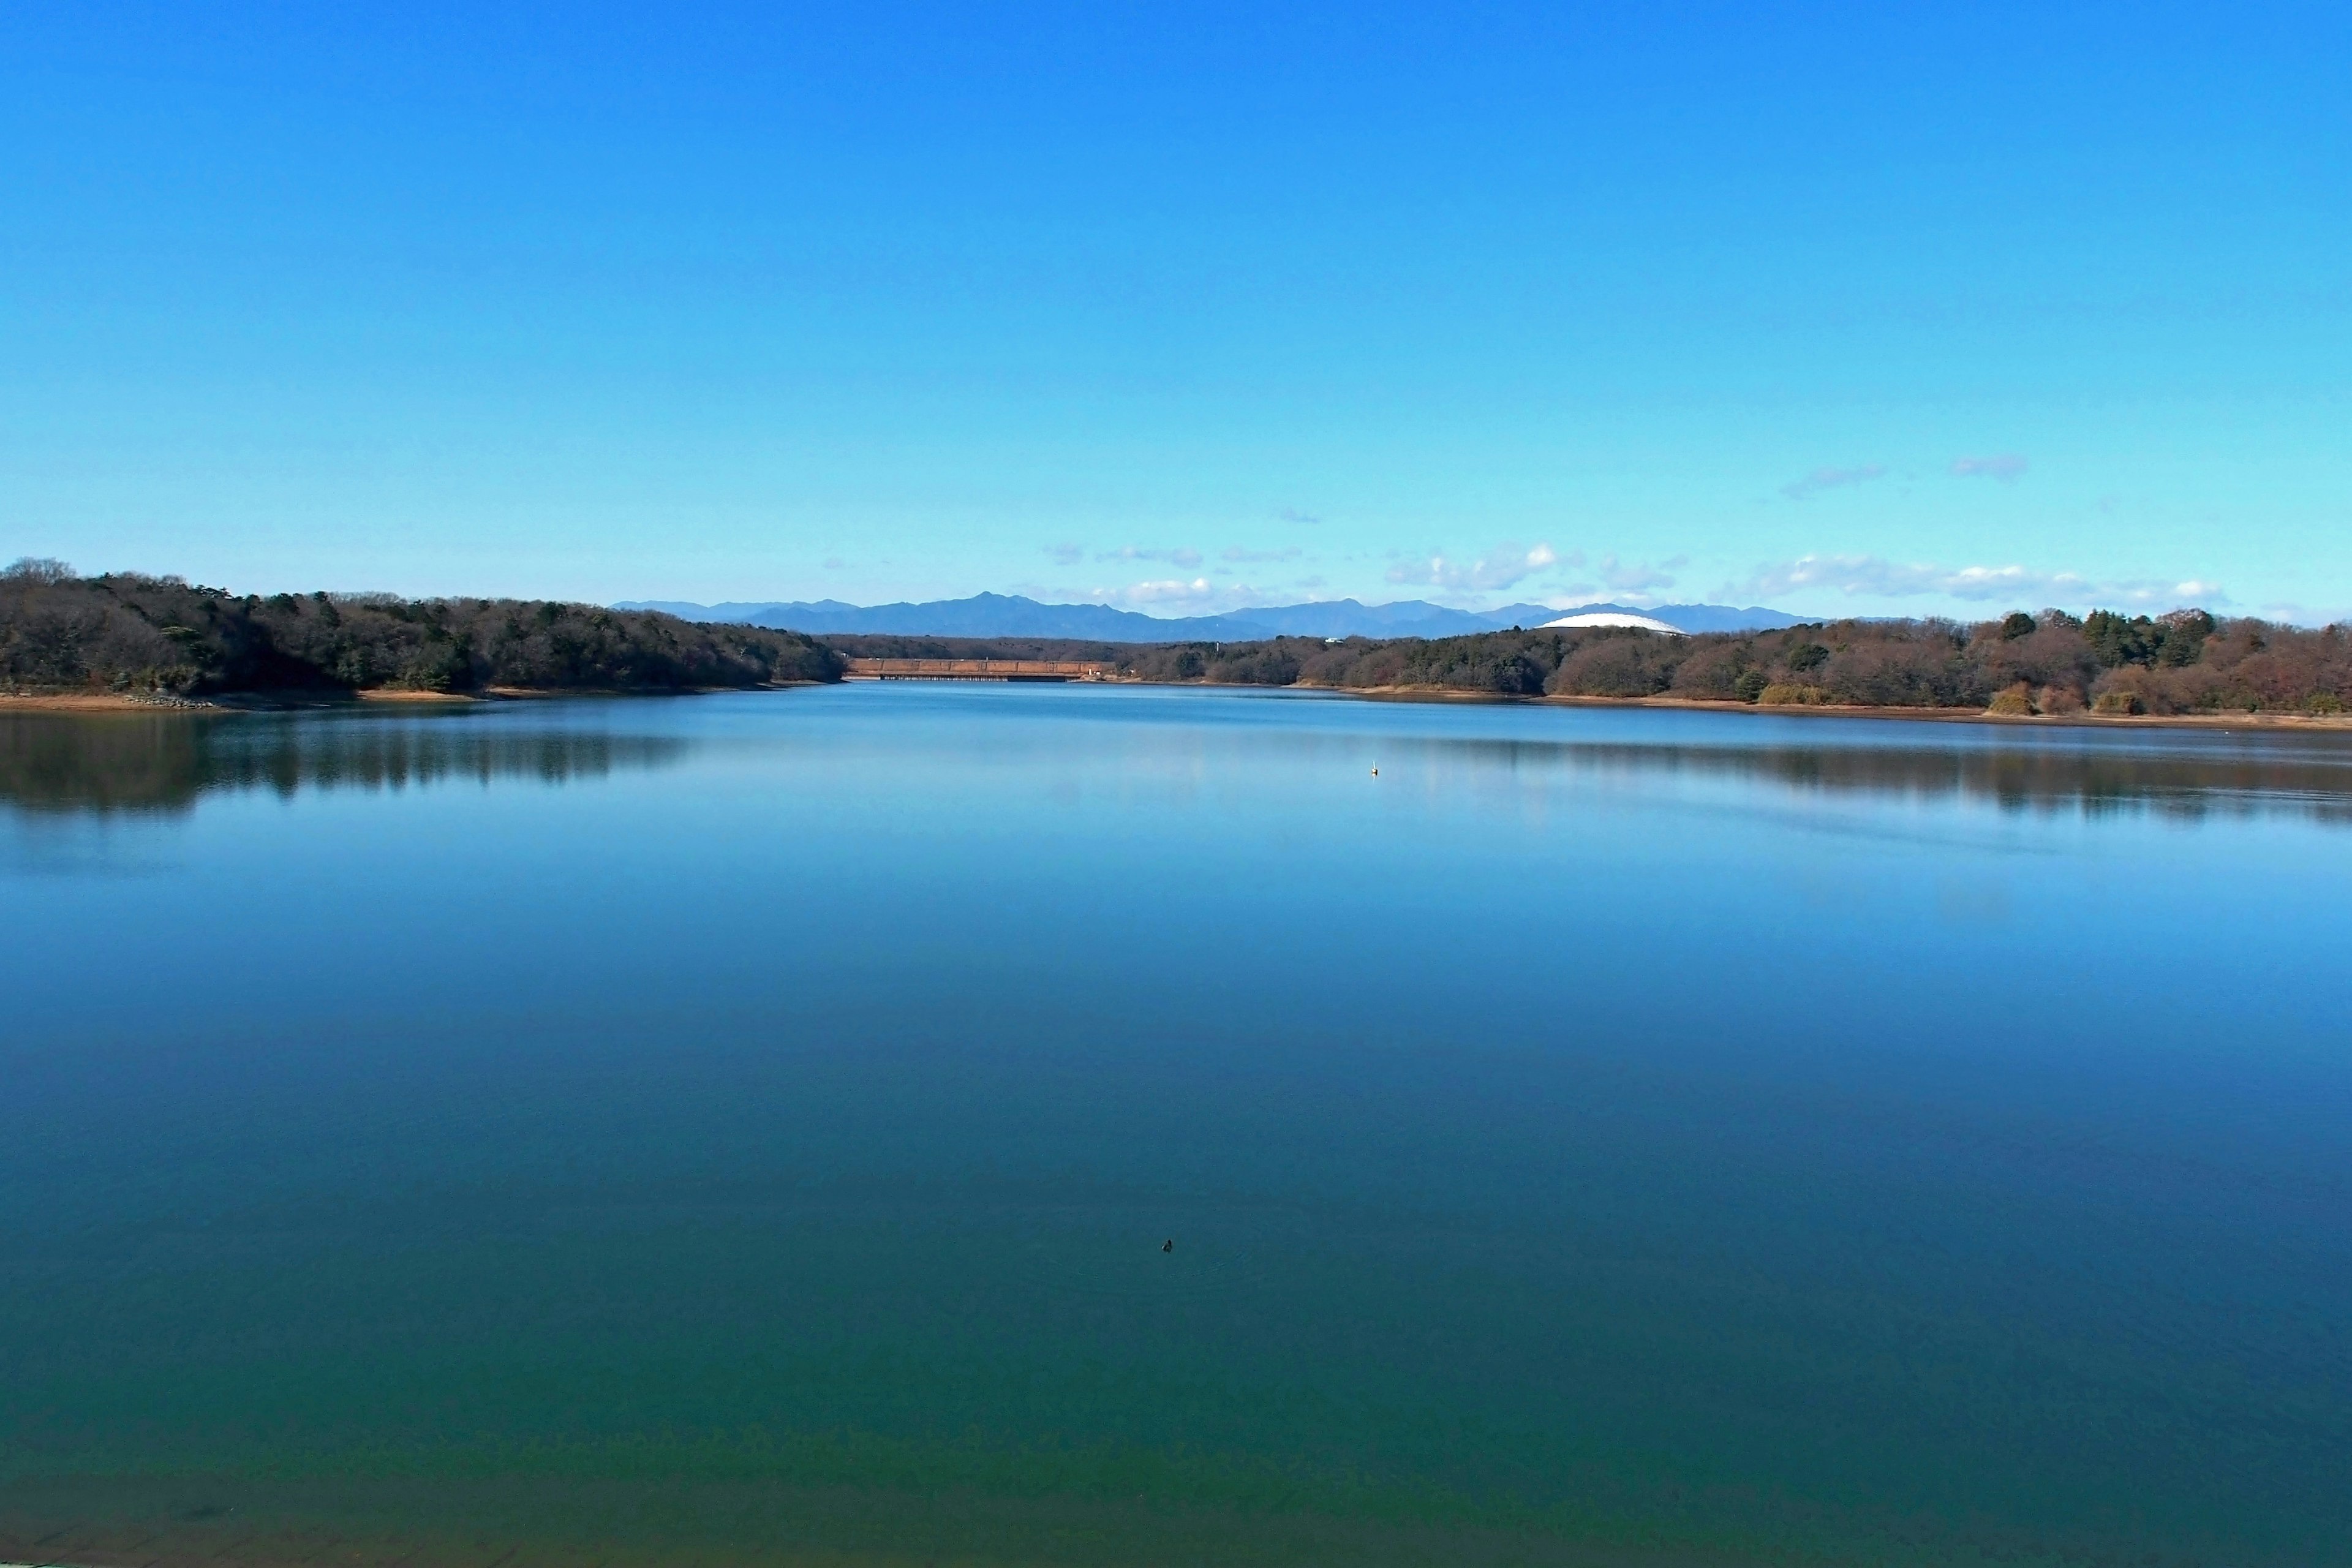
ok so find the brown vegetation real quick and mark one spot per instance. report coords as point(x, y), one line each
point(2052, 664)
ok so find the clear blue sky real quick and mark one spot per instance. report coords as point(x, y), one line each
point(1876, 309)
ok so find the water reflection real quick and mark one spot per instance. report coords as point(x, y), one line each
point(135, 763)
point(2189, 780)
point(164, 763)
point(1729, 1131)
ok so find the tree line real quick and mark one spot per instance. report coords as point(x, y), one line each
point(126, 632)
point(2186, 662)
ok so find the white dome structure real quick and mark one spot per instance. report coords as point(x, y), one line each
point(1611, 619)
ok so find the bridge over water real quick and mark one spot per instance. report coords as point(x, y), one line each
point(975, 670)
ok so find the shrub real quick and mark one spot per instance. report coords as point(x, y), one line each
point(2016, 701)
point(1751, 685)
point(1789, 694)
point(2058, 700)
point(2118, 702)
point(2323, 703)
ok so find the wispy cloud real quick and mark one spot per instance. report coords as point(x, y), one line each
point(1638, 577)
point(2004, 467)
point(1066, 554)
point(1238, 554)
point(1822, 480)
point(1504, 566)
point(1874, 577)
point(1179, 557)
point(2302, 614)
point(1292, 514)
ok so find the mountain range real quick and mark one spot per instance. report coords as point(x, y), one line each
point(1006, 615)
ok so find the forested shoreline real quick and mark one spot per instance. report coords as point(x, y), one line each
point(130, 635)
point(2184, 662)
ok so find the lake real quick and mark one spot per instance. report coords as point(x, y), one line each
point(751, 1128)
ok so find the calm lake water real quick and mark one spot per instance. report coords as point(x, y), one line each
point(748, 1127)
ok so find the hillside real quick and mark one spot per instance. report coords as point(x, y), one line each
point(130, 633)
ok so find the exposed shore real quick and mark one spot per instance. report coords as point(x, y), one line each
point(104, 702)
point(279, 701)
point(229, 702)
point(2086, 719)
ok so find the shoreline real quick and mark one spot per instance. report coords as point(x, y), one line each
point(296, 702)
point(2083, 720)
point(247, 702)
point(104, 702)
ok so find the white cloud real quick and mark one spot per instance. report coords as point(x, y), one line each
point(1871, 576)
point(1822, 480)
point(2004, 467)
point(1185, 596)
point(1617, 581)
point(1502, 567)
point(1239, 554)
point(1170, 591)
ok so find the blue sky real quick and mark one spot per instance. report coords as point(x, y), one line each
point(1877, 310)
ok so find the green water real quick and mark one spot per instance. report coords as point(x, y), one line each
point(747, 1129)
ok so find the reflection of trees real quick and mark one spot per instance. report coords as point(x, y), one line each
point(2284, 774)
point(137, 763)
point(163, 761)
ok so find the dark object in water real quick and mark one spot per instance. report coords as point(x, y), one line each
point(1169, 1245)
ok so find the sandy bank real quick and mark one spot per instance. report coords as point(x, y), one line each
point(101, 702)
point(2341, 723)
point(273, 701)
point(119, 702)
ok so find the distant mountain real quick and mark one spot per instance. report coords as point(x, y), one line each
point(741, 614)
point(1007, 616)
point(981, 616)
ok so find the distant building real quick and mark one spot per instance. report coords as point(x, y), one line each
point(1611, 618)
